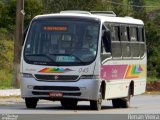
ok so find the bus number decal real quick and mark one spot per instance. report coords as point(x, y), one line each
point(83, 70)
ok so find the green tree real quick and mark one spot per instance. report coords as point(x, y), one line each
point(118, 8)
point(138, 9)
point(153, 48)
point(7, 14)
point(52, 6)
point(31, 9)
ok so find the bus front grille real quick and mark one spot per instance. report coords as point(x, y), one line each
point(47, 93)
point(56, 88)
point(67, 91)
point(56, 77)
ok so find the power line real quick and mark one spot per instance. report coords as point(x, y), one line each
point(133, 5)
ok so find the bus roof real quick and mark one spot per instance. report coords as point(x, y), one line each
point(101, 17)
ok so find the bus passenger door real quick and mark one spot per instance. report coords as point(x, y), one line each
point(105, 55)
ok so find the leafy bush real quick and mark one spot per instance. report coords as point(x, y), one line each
point(6, 63)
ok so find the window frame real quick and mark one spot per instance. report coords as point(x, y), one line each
point(129, 42)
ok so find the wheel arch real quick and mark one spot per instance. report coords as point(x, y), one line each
point(103, 88)
point(131, 87)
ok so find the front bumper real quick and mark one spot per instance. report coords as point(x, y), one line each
point(86, 89)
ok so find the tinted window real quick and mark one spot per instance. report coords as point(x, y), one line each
point(133, 33)
point(114, 30)
point(116, 45)
point(141, 40)
point(115, 40)
point(123, 33)
point(62, 42)
point(134, 44)
point(141, 34)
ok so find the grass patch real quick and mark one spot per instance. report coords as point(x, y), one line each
point(6, 63)
point(5, 79)
point(12, 96)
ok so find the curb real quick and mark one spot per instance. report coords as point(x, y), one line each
point(9, 92)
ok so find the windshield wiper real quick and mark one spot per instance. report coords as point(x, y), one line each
point(44, 55)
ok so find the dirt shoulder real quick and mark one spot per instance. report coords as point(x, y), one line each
point(153, 86)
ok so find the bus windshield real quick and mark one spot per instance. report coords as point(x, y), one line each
point(62, 42)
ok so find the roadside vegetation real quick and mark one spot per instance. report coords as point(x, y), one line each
point(147, 10)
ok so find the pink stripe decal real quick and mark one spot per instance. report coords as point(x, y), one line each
point(112, 72)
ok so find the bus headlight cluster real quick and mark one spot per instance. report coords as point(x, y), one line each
point(27, 75)
point(30, 86)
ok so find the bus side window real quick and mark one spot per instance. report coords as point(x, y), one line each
point(115, 41)
point(134, 44)
point(140, 34)
point(124, 33)
point(141, 40)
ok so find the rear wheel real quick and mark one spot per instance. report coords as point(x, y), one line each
point(69, 103)
point(122, 102)
point(125, 103)
point(31, 102)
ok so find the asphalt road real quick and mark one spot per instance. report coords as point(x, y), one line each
point(143, 104)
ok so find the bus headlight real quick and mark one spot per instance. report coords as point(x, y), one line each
point(90, 77)
point(27, 75)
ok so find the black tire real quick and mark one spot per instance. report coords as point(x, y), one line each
point(97, 104)
point(116, 103)
point(122, 102)
point(125, 103)
point(71, 104)
point(31, 102)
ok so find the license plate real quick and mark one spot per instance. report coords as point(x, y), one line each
point(56, 94)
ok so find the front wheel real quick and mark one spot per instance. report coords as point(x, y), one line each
point(69, 103)
point(116, 103)
point(96, 104)
point(31, 102)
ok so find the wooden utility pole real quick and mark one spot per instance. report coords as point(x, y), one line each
point(18, 42)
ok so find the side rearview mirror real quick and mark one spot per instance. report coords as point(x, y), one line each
point(107, 41)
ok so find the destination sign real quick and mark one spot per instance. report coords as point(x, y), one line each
point(55, 28)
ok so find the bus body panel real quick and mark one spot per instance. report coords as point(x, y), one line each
point(119, 74)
